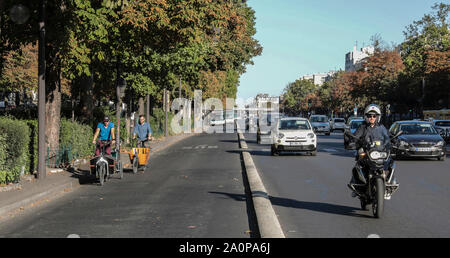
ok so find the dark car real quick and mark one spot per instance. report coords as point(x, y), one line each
point(349, 143)
point(443, 128)
point(419, 139)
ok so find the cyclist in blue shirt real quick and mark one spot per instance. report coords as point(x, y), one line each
point(143, 131)
point(106, 132)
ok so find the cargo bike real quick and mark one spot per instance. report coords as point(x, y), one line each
point(104, 166)
point(139, 156)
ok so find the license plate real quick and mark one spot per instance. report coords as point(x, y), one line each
point(296, 143)
point(423, 149)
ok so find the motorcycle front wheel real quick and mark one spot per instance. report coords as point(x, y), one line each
point(378, 203)
point(101, 174)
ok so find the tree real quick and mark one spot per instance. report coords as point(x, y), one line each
point(426, 40)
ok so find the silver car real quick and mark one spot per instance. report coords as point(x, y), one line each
point(337, 124)
point(320, 124)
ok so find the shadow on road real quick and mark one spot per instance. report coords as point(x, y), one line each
point(311, 206)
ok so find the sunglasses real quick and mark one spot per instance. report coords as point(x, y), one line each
point(371, 116)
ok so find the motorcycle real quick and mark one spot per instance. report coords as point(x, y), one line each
point(373, 175)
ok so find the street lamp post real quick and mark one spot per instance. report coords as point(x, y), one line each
point(20, 14)
point(120, 90)
point(41, 95)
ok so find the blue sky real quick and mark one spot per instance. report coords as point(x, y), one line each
point(302, 37)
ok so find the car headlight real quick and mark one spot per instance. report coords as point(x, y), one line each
point(440, 144)
point(281, 136)
point(378, 155)
point(311, 135)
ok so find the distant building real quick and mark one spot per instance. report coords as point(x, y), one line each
point(355, 59)
point(319, 78)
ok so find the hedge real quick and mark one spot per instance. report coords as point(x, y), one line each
point(3, 168)
point(16, 151)
point(78, 137)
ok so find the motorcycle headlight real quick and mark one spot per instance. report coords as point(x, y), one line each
point(311, 135)
point(440, 144)
point(378, 155)
point(404, 144)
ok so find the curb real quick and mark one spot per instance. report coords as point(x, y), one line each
point(268, 224)
point(8, 209)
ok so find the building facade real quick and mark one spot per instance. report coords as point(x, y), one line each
point(319, 78)
point(355, 59)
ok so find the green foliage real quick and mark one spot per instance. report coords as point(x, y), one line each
point(157, 122)
point(33, 144)
point(296, 94)
point(16, 151)
point(78, 137)
point(3, 157)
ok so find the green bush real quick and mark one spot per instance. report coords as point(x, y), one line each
point(157, 122)
point(16, 149)
point(3, 157)
point(33, 146)
point(78, 137)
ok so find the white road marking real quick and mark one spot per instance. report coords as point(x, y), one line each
point(373, 236)
point(73, 236)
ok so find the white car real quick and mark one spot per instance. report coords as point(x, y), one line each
point(294, 135)
point(337, 124)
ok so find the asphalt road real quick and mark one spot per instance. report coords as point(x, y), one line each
point(311, 198)
point(192, 189)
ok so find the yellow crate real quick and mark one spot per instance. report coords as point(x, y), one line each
point(142, 154)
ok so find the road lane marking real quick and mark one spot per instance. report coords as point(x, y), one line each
point(373, 236)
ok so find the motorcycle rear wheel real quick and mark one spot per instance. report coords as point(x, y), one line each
point(378, 203)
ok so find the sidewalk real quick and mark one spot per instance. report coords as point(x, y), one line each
point(30, 193)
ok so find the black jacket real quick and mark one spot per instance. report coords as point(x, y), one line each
point(366, 133)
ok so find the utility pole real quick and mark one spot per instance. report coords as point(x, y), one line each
point(41, 95)
point(148, 108)
point(179, 91)
point(165, 112)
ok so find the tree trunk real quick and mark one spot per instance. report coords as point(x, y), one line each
point(86, 86)
point(53, 109)
point(141, 106)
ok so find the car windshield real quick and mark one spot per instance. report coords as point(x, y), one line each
point(417, 128)
point(443, 123)
point(294, 125)
point(339, 120)
point(318, 119)
point(356, 124)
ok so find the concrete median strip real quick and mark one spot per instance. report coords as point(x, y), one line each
point(268, 224)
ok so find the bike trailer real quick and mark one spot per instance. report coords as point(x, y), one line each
point(142, 154)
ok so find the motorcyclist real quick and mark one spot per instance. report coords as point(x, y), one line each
point(369, 131)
